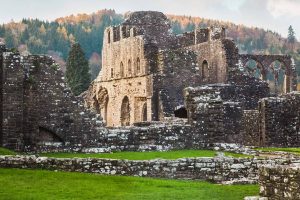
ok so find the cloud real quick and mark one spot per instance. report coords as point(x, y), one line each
point(279, 8)
point(233, 5)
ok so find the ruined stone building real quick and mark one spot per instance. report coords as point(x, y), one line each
point(145, 69)
point(38, 109)
point(151, 75)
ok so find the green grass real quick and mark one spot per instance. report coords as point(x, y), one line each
point(272, 149)
point(40, 184)
point(4, 151)
point(144, 155)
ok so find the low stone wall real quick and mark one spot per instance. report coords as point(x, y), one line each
point(218, 169)
point(280, 182)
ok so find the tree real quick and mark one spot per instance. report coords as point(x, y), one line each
point(77, 72)
point(291, 35)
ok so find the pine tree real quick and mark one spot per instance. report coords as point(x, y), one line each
point(77, 72)
point(291, 35)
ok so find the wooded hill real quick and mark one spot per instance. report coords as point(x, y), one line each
point(55, 37)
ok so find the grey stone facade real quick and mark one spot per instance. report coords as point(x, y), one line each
point(38, 109)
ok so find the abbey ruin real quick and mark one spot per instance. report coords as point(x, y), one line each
point(156, 90)
point(146, 67)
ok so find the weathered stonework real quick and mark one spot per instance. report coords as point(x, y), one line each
point(280, 182)
point(38, 109)
point(218, 169)
point(280, 120)
point(145, 69)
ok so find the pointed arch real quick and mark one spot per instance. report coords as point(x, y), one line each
point(138, 66)
point(121, 70)
point(204, 69)
point(125, 112)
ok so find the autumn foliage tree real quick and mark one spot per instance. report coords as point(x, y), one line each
point(77, 71)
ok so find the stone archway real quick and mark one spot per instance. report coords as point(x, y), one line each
point(254, 68)
point(290, 75)
point(125, 112)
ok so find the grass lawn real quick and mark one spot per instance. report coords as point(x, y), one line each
point(144, 155)
point(4, 151)
point(41, 184)
point(272, 149)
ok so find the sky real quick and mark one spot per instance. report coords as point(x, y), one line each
point(275, 15)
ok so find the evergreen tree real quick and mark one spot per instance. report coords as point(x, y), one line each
point(25, 36)
point(291, 35)
point(77, 72)
point(9, 39)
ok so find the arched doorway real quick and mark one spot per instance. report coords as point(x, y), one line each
point(125, 112)
point(144, 112)
point(204, 69)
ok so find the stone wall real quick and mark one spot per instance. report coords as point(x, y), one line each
point(214, 113)
point(218, 169)
point(280, 124)
point(171, 79)
point(38, 109)
point(280, 182)
point(250, 127)
point(12, 101)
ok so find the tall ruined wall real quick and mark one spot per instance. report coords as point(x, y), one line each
point(216, 58)
point(12, 101)
point(64, 118)
point(2, 49)
point(177, 70)
point(211, 58)
point(280, 124)
point(213, 113)
point(39, 109)
point(125, 74)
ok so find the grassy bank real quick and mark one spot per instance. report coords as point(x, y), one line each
point(144, 155)
point(4, 151)
point(39, 184)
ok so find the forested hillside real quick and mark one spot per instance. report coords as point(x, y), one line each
point(55, 38)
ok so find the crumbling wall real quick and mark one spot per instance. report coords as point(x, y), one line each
point(213, 114)
point(2, 49)
point(280, 124)
point(280, 182)
point(12, 101)
point(250, 127)
point(38, 108)
point(172, 78)
point(249, 90)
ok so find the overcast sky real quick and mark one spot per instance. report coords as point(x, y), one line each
point(275, 15)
